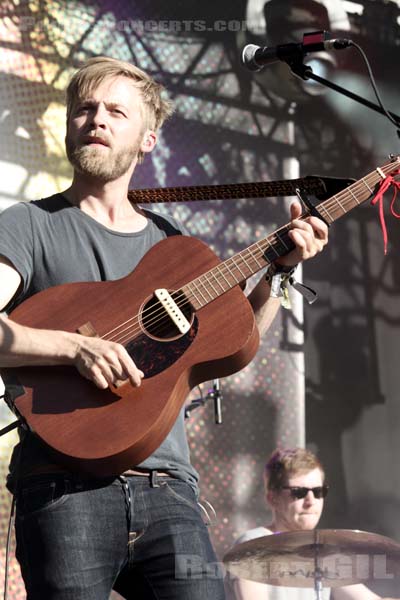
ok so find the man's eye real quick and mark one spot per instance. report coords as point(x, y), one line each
point(81, 109)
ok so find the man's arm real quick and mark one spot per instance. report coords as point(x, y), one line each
point(309, 236)
point(100, 361)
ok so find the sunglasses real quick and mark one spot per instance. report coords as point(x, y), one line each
point(296, 492)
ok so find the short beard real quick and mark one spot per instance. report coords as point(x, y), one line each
point(95, 163)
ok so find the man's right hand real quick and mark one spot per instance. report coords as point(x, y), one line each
point(102, 362)
point(105, 363)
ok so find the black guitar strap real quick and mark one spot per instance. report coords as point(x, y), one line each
point(163, 223)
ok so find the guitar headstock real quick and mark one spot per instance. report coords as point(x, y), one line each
point(392, 168)
point(394, 159)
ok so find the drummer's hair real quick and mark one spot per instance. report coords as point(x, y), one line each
point(286, 462)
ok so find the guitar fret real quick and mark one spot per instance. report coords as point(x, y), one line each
point(199, 290)
point(261, 251)
point(230, 272)
point(282, 241)
point(341, 205)
point(211, 283)
point(332, 218)
point(239, 269)
point(242, 256)
point(223, 275)
point(247, 259)
point(216, 279)
point(272, 247)
point(354, 196)
point(270, 253)
point(366, 184)
point(189, 287)
point(254, 257)
point(204, 286)
point(323, 211)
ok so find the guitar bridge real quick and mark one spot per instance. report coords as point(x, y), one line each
point(173, 310)
point(88, 330)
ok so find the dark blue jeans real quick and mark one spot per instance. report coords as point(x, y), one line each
point(79, 539)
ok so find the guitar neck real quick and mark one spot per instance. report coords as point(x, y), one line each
point(241, 266)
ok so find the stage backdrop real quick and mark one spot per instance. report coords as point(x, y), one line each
point(233, 126)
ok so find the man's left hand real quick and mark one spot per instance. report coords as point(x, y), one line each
point(309, 235)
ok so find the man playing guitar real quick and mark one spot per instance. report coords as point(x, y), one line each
point(80, 536)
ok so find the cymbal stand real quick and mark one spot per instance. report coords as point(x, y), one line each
point(12, 425)
point(317, 569)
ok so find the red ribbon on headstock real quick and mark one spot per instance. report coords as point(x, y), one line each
point(378, 198)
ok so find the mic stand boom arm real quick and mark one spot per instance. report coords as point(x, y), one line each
point(305, 72)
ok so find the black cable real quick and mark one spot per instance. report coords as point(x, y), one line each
point(8, 547)
point(375, 87)
point(11, 520)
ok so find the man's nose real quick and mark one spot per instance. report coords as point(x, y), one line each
point(309, 498)
point(98, 116)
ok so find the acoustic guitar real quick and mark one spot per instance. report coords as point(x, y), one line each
point(184, 319)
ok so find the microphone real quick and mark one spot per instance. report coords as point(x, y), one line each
point(255, 57)
point(216, 394)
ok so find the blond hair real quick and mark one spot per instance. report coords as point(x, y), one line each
point(155, 108)
point(283, 464)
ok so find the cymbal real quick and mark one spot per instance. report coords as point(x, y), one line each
point(335, 557)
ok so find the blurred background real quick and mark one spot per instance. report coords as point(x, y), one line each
point(326, 376)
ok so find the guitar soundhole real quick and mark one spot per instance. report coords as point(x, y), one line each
point(153, 353)
point(156, 321)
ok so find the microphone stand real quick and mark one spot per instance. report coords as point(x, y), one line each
point(305, 72)
point(213, 394)
point(10, 427)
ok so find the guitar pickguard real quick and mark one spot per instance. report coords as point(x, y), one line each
point(153, 356)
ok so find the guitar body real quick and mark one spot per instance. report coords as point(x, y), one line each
point(104, 432)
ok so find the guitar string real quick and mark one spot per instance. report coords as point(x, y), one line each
point(182, 299)
point(160, 311)
point(184, 296)
point(333, 202)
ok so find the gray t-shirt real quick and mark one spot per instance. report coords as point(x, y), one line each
point(51, 242)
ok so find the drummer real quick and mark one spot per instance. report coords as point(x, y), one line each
point(295, 491)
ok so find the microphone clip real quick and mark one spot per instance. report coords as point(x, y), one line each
point(213, 393)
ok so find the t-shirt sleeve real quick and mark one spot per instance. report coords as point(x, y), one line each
point(252, 534)
point(16, 241)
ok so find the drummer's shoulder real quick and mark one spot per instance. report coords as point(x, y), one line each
point(252, 534)
point(355, 592)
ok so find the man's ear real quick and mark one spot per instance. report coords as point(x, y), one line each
point(149, 140)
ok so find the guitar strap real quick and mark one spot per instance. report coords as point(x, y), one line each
point(163, 223)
